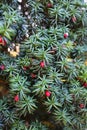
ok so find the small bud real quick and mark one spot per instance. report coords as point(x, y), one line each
point(20, 1)
point(26, 13)
point(27, 35)
point(19, 7)
point(8, 49)
point(29, 17)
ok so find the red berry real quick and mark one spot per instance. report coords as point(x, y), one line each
point(73, 19)
point(66, 35)
point(25, 68)
point(49, 5)
point(16, 98)
point(85, 85)
point(1, 39)
point(47, 93)
point(33, 75)
point(4, 43)
point(42, 64)
point(81, 105)
point(2, 67)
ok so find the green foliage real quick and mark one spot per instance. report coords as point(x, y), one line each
point(83, 73)
point(11, 21)
point(26, 105)
point(41, 86)
point(19, 125)
point(52, 103)
point(62, 116)
point(19, 85)
point(37, 126)
point(55, 75)
point(39, 27)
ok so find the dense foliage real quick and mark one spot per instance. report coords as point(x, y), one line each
point(43, 65)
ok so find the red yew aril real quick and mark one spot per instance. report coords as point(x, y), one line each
point(85, 84)
point(47, 93)
point(66, 35)
point(81, 105)
point(1, 39)
point(42, 64)
point(16, 98)
point(49, 5)
point(2, 67)
point(33, 75)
